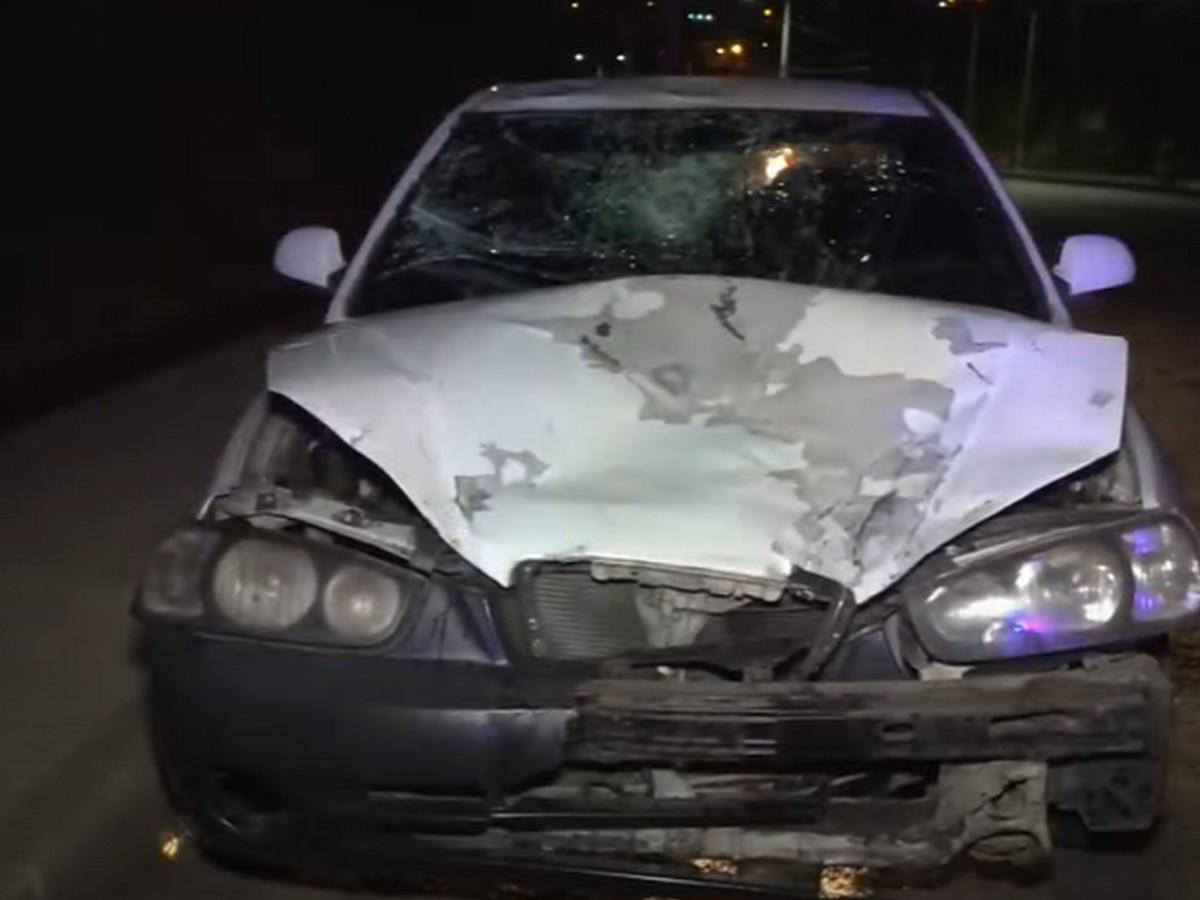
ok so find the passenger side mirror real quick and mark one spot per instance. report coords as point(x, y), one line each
point(311, 254)
point(1094, 262)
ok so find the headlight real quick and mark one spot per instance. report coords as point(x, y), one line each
point(232, 580)
point(361, 604)
point(1166, 572)
point(1117, 583)
point(171, 587)
point(264, 585)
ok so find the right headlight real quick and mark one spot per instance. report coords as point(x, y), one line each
point(254, 583)
point(361, 604)
point(264, 585)
point(1118, 582)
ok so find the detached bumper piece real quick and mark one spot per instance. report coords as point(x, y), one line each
point(1111, 709)
point(995, 810)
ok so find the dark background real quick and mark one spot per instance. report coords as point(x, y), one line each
point(168, 145)
point(162, 148)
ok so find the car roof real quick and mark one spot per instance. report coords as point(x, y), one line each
point(701, 93)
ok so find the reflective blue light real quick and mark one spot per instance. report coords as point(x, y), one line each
point(1031, 625)
point(1019, 636)
point(1144, 541)
point(1145, 604)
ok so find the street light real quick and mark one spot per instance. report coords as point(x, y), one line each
point(580, 57)
point(737, 49)
point(785, 40)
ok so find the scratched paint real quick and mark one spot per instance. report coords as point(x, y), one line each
point(508, 467)
point(957, 333)
point(736, 426)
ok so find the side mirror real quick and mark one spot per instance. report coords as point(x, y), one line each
point(1094, 262)
point(310, 254)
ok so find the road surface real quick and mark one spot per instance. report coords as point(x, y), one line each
point(90, 489)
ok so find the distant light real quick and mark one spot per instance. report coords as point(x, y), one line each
point(768, 12)
point(575, 4)
point(777, 163)
point(942, 4)
point(580, 57)
point(766, 44)
point(495, 89)
point(621, 57)
point(720, 51)
point(649, 2)
point(737, 49)
point(710, 17)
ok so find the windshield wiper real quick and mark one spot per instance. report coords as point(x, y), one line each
point(505, 262)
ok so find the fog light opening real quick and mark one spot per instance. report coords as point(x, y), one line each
point(244, 804)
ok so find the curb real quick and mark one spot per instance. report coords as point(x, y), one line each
point(96, 816)
point(1185, 189)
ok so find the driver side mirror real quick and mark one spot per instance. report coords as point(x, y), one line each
point(1094, 262)
point(311, 254)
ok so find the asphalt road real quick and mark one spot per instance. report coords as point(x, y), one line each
point(89, 489)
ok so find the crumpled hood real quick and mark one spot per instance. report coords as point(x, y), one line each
point(740, 426)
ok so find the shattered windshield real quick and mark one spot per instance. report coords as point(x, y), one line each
point(517, 201)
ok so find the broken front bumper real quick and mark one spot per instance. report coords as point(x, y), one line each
point(369, 763)
point(1048, 716)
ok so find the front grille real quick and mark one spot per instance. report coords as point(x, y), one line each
point(566, 613)
point(573, 616)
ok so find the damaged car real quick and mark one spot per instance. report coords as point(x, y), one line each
point(698, 484)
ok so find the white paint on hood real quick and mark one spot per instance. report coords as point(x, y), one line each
point(738, 426)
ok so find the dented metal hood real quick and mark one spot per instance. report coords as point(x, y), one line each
point(737, 426)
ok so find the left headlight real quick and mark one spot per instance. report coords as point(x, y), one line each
point(1123, 581)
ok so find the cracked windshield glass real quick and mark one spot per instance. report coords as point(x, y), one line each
point(864, 202)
